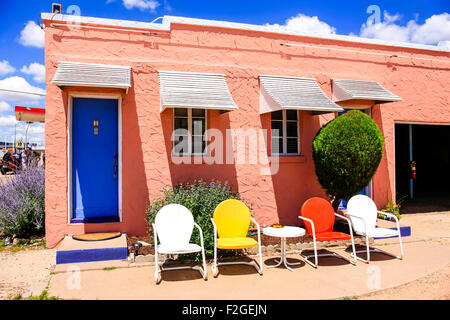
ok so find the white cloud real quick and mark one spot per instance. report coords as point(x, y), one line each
point(142, 5)
point(305, 24)
point(19, 83)
point(35, 69)
point(435, 29)
point(7, 122)
point(444, 44)
point(4, 107)
point(32, 35)
point(6, 68)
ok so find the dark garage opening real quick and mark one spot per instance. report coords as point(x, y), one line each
point(431, 152)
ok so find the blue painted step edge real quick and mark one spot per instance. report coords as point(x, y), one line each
point(404, 231)
point(91, 255)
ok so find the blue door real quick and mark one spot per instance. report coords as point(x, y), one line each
point(95, 168)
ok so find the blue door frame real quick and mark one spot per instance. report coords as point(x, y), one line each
point(95, 160)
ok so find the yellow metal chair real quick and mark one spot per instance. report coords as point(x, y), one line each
point(231, 221)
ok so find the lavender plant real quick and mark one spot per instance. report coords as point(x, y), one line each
point(22, 204)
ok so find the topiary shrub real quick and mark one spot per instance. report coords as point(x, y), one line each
point(202, 199)
point(347, 152)
point(22, 204)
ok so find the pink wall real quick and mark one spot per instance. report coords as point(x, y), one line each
point(242, 56)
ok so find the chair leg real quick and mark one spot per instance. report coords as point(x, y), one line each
point(205, 271)
point(260, 271)
point(401, 245)
point(157, 271)
point(214, 268)
point(355, 256)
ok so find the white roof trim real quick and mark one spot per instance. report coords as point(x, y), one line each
point(293, 93)
point(168, 20)
point(195, 90)
point(92, 75)
point(346, 90)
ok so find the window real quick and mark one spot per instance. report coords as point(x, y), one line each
point(285, 133)
point(189, 123)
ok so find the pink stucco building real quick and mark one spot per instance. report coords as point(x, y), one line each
point(116, 90)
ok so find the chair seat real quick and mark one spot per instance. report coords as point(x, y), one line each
point(332, 236)
point(236, 243)
point(380, 233)
point(187, 248)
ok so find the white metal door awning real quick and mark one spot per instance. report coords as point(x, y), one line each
point(195, 90)
point(292, 93)
point(347, 90)
point(92, 75)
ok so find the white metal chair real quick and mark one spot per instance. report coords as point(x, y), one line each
point(363, 214)
point(173, 227)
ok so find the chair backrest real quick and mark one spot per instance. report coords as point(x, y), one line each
point(363, 207)
point(174, 224)
point(232, 219)
point(321, 212)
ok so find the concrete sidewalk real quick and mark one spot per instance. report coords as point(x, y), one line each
point(334, 278)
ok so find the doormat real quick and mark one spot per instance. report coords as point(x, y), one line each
point(96, 236)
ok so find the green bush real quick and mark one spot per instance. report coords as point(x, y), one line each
point(347, 152)
point(202, 199)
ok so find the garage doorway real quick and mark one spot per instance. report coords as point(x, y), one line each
point(429, 146)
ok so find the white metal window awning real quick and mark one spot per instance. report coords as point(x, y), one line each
point(92, 75)
point(292, 93)
point(195, 90)
point(346, 90)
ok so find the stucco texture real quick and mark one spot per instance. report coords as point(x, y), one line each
point(242, 56)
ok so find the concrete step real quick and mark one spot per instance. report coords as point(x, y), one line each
point(74, 251)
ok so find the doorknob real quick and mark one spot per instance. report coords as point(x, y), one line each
point(115, 164)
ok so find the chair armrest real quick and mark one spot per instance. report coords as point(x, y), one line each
point(312, 225)
point(257, 228)
point(364, 221)
point(201, 233)
point(349, 223)
point(215, 230)
point(155, 238)
point(392, 216)
point(256, 223)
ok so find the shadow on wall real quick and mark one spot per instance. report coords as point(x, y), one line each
point(188, 172)
point(296, 180)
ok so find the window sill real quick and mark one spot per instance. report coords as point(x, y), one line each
point(197, 159)
point(292, 159)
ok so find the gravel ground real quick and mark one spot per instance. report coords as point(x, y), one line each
point(25, 272)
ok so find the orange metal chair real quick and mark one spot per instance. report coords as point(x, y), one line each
point(318, 217)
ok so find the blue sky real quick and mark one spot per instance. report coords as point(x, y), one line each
point(22, 53)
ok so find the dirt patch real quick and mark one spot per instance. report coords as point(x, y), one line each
point(25, 272)
point(431, 287)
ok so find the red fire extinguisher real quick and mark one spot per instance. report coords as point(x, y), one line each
point(413, 170)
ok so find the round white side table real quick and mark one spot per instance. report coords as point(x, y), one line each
point(283, 233)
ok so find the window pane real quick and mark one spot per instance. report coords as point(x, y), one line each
point(198, 144)
point(277, 145)
point(180, 112)
point(291, 114)
point(292, 145)
point(198, 113)
point(277, 128)
point(181, 145)
point(198, 126)
point(181, 123)
point(291, 129)
point(277, 115)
